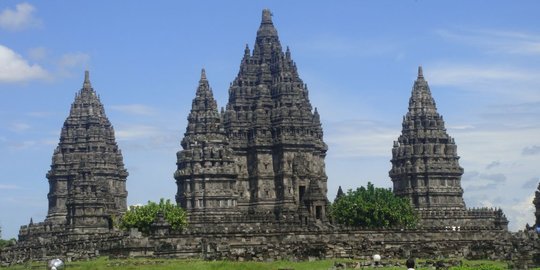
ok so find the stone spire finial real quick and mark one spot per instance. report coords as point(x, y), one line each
point(203, 74)
point(421, 100)
point(266, 30)
point(87, 84)
point(266, 16)
point(246, 50)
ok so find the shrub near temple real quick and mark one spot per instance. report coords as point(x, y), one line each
point(141, 217)
point(373, 207)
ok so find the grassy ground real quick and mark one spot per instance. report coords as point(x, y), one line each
point(170, 264)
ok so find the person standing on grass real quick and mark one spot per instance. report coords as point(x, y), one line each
point(410, 264)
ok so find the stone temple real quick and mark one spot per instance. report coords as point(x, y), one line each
point(426, 170)
point(252, 178)
point(87, 179)
point(263, 154)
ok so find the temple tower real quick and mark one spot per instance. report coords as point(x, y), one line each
point(425, 164)
point(205, 175)
point(275, 133)
point(87, 179)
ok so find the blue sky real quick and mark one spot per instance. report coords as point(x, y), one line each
point(359, 59)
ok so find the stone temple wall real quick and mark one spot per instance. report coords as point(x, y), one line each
point(470, 219)
point(262, 243)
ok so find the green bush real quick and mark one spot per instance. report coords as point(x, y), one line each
point(373, 207)
point(7, 243)
point(141, 217)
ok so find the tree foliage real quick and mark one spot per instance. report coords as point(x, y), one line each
point(373, 208)
point(141, 217)
point(5, 242)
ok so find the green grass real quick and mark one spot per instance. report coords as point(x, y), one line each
point(170, 264)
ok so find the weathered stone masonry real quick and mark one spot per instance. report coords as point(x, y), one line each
point(87, 178)
point(261, 242)
point(252, 178)
point(264, 154)
point(426, 170)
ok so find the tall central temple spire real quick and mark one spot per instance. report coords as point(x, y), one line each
point(274, 137)
point(274, 131)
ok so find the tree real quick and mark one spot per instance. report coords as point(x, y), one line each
point(373, 208)
point(6, 243)
point(141, 217)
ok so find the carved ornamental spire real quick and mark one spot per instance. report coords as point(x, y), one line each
point(425, 164)
point(270, 123)
point(205, 174)
point(87, 177)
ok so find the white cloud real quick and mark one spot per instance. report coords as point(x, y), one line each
point(531, 184)
point(507, 72)
point(32, 144)
point(49, 141)
point(8, 187)
point(461, 127)
point(532, 150)
point(71, 61)
point(496, 41)
point(520, 213)
point(37, 54)
point(494, 144)
point(20, 18)
point(135, 132)
point(341, 46)
point(19, 127)
point(75, 59)
point(503, 82)
point(134, 109)
point(14, 68)
point(493, 165)
point(464, 74)
point(40, 114)
point(474, 181)
point(358, 138)
point(22, 145)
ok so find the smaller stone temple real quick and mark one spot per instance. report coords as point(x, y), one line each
point(425, 167)
point(206, 175)
point(87, 179)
